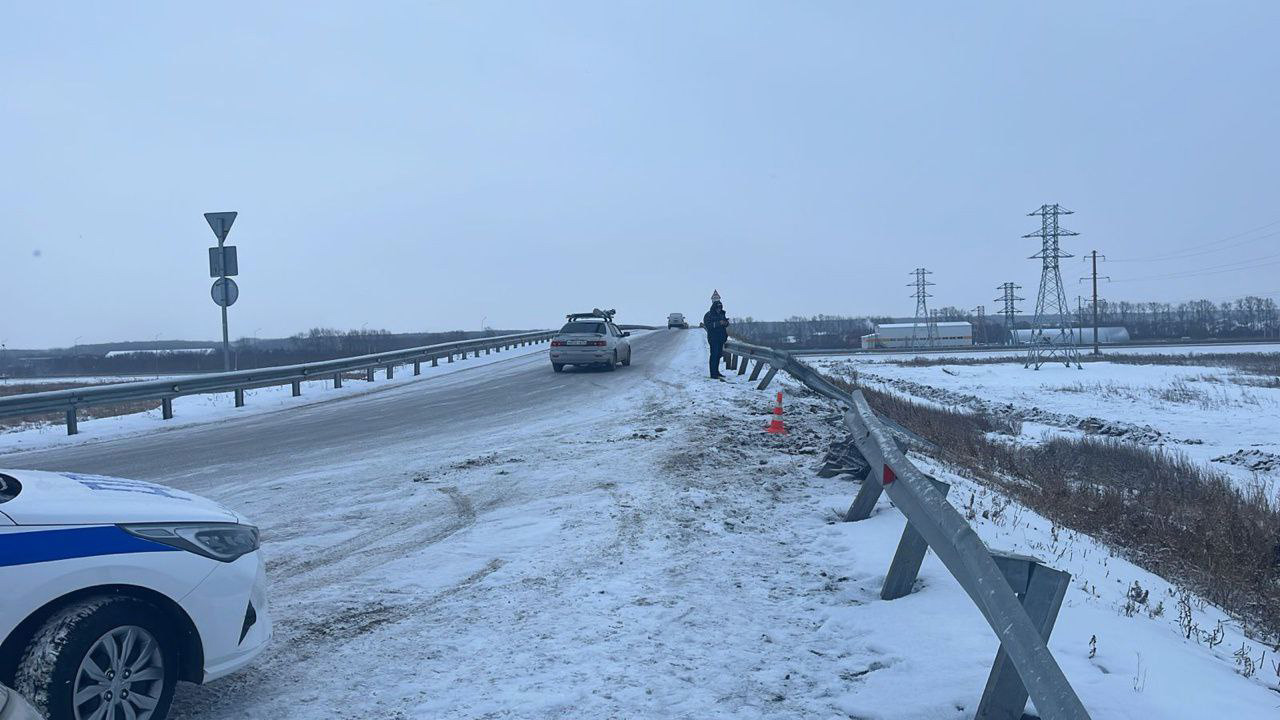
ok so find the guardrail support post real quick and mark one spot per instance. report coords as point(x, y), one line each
point(1040, 589)
point(368, 374)
point(417, 367)
point(166, 408)
point(905, 567)
point(391, 373)
point(296, 387)
point(72, 427)
point(768, 378)
point(239, 395)
point(868, 495)
point(337, 380)
point(487, 351)
point(742, 364)
point(435, 362)
point(450, 357)
point(755, 371)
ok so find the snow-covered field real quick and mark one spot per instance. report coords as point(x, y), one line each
point(198, 409)
point(660, 556)
point(1206, 349)
point(1214, 415)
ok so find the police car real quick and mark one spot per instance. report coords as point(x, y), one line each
point(113, 590)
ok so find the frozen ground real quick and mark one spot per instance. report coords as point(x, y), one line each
point(897, 356)
point(199, 409)
point(1214, 415)
point(657, 555)
point(631, 545)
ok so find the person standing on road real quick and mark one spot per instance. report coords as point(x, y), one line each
point(716, 323)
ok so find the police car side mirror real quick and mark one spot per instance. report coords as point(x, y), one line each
point(626, 334)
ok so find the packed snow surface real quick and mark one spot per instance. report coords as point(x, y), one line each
point(659, 556)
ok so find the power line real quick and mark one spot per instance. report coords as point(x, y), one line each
point(1210, 247)
point(1211, 270)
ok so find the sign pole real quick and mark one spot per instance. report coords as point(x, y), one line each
point(224, 290)
point(226, 342)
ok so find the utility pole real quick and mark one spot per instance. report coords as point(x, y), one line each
point(1010, 312)
point(1052, 310)
point(921, 283)
point(1095, 277)
point(981, 311)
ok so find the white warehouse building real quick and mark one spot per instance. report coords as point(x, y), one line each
point(900, 335)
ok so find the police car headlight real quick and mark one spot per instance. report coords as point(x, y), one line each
point(224, 542)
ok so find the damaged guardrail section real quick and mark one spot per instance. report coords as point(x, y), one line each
point(238, 381)
point(1018, 595)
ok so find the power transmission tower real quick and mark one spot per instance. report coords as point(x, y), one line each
point(981, 335)
point(1095, 277)
point(1010, 312)
point(921, 295)
point(1052, 310)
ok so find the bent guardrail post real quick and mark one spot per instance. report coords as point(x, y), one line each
point(1041, 590)
point(905, 567)
point(958, 547)
point(755, 371)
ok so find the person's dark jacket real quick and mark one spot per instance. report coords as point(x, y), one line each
point(716, 323)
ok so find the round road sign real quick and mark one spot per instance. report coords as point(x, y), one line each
point(224, 292)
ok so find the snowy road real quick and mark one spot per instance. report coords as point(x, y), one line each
point(463, 405)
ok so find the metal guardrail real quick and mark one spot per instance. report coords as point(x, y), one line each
point(1018, 596)
point(237, 381)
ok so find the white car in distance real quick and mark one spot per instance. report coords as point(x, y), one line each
point(114, 590)
point(590, 339)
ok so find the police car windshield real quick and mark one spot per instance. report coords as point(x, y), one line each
point(583, 327)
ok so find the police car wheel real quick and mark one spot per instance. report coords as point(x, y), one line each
point(96, 656)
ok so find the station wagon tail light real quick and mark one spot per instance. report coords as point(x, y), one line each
point(224, 542)
point(598, 343)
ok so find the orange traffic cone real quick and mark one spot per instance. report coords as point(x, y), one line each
point(776, 426)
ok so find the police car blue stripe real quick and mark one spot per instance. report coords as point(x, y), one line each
point(38, 546)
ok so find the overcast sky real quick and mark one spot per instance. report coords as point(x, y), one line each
point(429, 166)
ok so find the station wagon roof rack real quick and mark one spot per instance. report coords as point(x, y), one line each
point(606, 315)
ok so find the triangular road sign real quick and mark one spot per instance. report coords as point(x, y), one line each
point(221, 223)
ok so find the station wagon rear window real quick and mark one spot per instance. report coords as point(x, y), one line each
point(583, 327)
